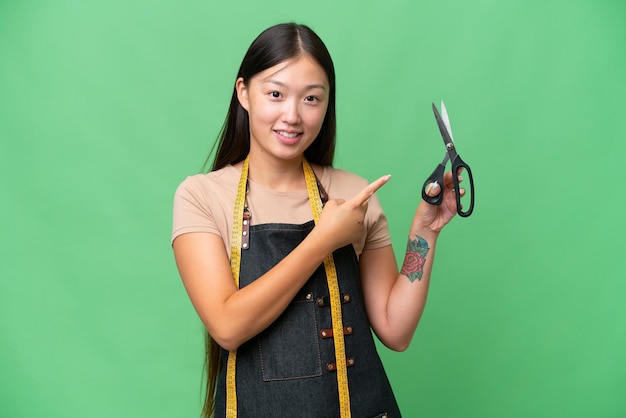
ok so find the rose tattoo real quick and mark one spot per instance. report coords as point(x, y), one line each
point(415, 258)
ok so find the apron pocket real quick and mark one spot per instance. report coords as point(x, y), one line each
point(289, 348)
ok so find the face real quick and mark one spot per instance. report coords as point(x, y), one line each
point(286, 106)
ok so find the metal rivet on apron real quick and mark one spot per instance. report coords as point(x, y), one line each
point(328, 332)
point(320, 301)
point(245, 245)
point(309, 296)
point(332, 366)
point(245, 233)
point(346, 298)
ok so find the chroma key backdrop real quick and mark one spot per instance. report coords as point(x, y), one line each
point(106, 106)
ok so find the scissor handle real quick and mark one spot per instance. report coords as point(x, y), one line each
point(436, 176)
point(458, 163)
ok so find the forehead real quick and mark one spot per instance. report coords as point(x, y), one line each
point(299, 71)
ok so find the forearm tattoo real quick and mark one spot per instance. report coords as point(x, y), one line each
point(415, 258)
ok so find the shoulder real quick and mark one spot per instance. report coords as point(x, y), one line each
point(213, 183)
point(342, 184)
point(204, 202)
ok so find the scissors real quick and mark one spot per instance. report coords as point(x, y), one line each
point(457, 163)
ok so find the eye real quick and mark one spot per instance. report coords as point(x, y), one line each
point(311, 99)
point(275, 94)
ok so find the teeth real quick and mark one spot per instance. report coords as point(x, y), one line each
point(287, 134)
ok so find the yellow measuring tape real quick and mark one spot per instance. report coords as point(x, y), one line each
point(335, 299)
point(333, 288)
point(235, 264)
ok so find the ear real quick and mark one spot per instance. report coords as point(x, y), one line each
point(242, 93)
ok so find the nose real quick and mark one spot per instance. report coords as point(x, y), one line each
point(291, 112)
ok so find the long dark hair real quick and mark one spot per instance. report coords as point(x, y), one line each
point(273, 46)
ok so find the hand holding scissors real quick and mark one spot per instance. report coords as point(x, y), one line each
point(457, 164)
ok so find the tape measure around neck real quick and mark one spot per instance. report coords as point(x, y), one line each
point(335, 299)
point(235, 264)
point(333, 288)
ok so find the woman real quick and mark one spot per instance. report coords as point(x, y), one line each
point(288, 292)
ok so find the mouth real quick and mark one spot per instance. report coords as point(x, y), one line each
point(288, 137)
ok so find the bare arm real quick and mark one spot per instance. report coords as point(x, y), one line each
point(233, 316)
point(395, 303)
point(395, 300)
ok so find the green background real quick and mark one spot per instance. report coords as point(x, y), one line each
point(106, 106)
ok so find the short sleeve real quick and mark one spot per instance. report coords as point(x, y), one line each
point(191, 210)
point(341, 184)
point(378, 235)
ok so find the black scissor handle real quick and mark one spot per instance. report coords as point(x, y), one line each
point(436, 176)
point(457, 164)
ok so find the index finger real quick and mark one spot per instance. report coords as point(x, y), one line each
point(369, 190)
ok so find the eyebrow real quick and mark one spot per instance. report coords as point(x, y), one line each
point(309, 87)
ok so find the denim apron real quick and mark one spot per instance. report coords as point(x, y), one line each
point(288, 370)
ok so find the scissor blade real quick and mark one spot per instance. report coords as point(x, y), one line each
point(446, 120)
point(447, 140)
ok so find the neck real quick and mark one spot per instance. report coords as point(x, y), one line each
point(280, 175)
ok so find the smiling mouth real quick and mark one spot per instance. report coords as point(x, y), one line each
point(289, 135)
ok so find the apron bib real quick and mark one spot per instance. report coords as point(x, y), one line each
point(290, 369)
